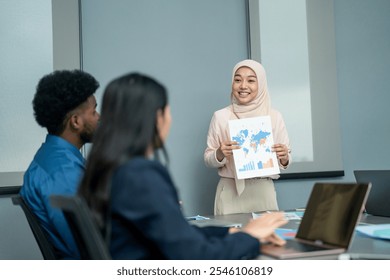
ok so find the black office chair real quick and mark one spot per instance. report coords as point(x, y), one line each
point(85, 232)
point(9, 190)
point(40, 235)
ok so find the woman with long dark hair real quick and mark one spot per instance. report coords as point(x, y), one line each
point(131, 193)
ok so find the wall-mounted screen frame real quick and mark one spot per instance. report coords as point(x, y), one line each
point(326, 158)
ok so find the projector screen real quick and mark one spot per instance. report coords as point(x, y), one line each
point(294, 40)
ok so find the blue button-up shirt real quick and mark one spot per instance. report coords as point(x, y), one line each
point(56, 169)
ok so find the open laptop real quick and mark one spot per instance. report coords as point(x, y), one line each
point(378, 201)
point(327, 227)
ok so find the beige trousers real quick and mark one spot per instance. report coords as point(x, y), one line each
point(259, 195)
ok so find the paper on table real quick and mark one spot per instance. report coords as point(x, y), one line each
point(287, 215)
point(197, 218)
point(286, 233)
point(376, 231)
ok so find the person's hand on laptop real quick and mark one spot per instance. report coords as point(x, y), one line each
point(274, 239)
point(263, 228)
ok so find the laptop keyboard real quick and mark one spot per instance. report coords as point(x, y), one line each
point(302, 247)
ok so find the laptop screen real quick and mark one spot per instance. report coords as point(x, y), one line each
point(378, 200)
point(332, 213)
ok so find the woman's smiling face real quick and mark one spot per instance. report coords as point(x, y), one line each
point(245, 86)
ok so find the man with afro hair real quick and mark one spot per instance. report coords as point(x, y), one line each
point(64, 104)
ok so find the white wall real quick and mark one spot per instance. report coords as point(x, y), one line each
point(25, 56)
point(191, 47)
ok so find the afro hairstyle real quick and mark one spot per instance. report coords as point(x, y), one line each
point(59, 93)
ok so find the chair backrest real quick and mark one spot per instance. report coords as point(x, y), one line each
point(85, 232)
point(18, 240)
point(9, 190)
point(40, 235)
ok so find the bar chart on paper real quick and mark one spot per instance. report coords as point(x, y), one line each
point(255, 157)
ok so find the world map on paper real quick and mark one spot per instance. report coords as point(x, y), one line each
point(255, 158)
point(253, 143)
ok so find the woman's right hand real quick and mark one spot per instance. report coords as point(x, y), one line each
point(263, 228)
point(226, 149)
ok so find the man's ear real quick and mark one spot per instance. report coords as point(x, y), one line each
point(75, 122)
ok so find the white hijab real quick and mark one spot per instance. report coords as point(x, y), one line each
point(261, 104)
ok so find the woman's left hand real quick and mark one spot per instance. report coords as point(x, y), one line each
point(282, 152)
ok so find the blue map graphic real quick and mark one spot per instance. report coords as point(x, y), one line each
point(255, 139)
point(255, 157)
point(249, 141)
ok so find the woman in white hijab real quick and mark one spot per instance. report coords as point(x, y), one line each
point(250, 98)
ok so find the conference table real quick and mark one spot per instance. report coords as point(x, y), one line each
point(18, 241)
point(362, 246)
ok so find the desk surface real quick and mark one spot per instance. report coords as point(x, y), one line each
point(360, 244)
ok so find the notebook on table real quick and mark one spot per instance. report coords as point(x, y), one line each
point(327, 227)
point(378, 201)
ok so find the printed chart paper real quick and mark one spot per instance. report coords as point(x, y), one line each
point(287, 215)
point(376, 231)
point(255, 158)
